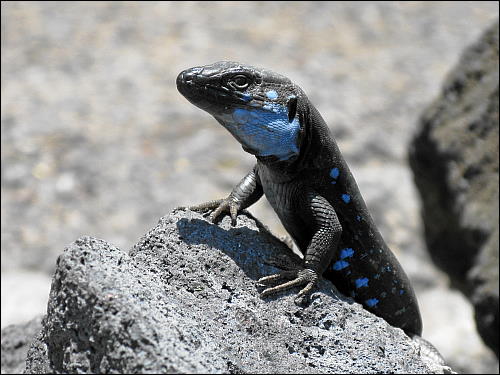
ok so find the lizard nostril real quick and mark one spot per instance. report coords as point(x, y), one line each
point(184, 78)
point(188, 76)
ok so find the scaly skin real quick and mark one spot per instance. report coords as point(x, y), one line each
point(303, 175)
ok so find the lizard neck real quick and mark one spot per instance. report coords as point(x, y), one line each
point(316, 149)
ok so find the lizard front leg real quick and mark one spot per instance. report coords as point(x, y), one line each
point(320, 215)
point(247, 192)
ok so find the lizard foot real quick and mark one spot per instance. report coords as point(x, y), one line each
point(298, 277)
point(217, 207)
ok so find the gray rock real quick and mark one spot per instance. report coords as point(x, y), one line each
point(185, 300)
point(455, 161)
point(16, 339)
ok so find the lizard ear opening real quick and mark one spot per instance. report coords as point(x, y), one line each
point(292, 108)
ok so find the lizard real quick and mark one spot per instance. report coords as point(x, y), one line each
point(305, 178)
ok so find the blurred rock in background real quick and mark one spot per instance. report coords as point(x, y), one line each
point(454, 157)
point(97, 141)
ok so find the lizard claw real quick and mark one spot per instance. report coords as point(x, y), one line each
point(233, 210)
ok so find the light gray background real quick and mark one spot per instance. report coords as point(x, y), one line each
point(96, 140)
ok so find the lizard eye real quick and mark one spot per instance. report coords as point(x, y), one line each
point(240, 82)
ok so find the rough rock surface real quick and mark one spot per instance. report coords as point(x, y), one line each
point(185, 300)
point(16, 339)
point(455, 161)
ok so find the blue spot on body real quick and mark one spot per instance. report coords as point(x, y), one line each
point(271, 94)
point(333, 182)
point(383, 294)
point(334, 173)
point(371, 302)
point(340, 264)
point(358, 218)
point(346, 253)
point(361, 282)
point(377, 276)
point(401, 291)
point(346, 198)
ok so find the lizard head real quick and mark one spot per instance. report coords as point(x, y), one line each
point(257, 106)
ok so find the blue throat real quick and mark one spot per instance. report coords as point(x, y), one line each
point(265, 131)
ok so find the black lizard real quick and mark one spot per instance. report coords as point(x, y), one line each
point(303, 175)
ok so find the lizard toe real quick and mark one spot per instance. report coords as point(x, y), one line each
point(304, 276)
point(287, 275)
